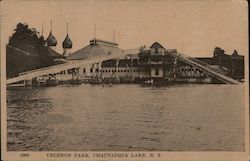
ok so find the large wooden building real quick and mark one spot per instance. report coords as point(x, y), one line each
point(153, 63)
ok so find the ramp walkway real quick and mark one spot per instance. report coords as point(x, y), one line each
point(65, 66)
point(208, 69)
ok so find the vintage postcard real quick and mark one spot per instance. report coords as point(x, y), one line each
point(124, 80)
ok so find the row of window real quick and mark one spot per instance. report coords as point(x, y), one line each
point(119, 71)
point(113, 71)
point(108, 71)
point(63, 72)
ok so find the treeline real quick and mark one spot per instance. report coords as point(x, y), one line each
point(234, 62)
point(26, 50)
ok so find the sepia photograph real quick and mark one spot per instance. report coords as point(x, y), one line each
point(131, 80)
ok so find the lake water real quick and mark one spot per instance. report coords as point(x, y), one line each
point(126, 117)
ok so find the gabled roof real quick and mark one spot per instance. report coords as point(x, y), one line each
point(156, 45)
point(93, 50)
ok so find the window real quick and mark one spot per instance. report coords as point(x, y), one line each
point(160, 51)
point(152, 50)
point(156, 71)
point(69, 71)
point(84, 70)
point(91, 70)
point(156, 50)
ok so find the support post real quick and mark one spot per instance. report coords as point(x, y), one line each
point(132, 68)
point(175, 67)
point(28, 83)
point(116, 70)
point(99, 70)
point(51, 76)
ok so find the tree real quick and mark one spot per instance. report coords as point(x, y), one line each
point(26, 40)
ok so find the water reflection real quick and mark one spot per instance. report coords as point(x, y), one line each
point(126, 117)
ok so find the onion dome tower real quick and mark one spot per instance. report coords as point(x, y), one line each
point(51, 40)
point(67, 45)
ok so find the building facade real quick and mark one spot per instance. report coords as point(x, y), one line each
point(153, 64)
point(150, 64)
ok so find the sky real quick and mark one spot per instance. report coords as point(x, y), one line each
point(193, 27)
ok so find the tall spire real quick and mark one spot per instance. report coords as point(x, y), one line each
point(114, 35)
point(67, 43)
point(94, 31)
point(50, 25)
point(67, 28)
point(51, 40)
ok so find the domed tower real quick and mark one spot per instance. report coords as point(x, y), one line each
point(51, 40)
point(67, 45)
